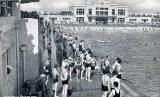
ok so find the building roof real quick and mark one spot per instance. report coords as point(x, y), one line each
point(94, 2)
point(122, 6)
point(113, 4)
point(79, 5)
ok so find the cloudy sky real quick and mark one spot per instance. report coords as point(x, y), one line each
point(134, 5)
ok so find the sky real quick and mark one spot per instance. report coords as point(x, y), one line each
point(134, 5)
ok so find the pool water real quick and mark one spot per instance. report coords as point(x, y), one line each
point(140, 53)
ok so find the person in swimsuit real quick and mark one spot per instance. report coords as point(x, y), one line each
point(106, 66)
point(89, 50)
point(65, 64)
point(77, 53)
point(88, 67)
point(70, 46)
point(107, 63)
point(116, 91)
point(115, 85)
point(78, 67)
point(105, 82)
point(73, 49)
point(55, 80)
point(71, 65)
point(117, 67)
point(65, 79)
point(81, 46)
point(82, 64)
point(47, 70)
point(49, 48)
point(93, 63)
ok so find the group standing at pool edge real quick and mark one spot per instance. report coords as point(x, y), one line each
point(83, 61)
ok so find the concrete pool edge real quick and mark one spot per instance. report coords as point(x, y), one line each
point(132, 90)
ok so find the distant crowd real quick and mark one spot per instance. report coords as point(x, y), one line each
point(31, 14)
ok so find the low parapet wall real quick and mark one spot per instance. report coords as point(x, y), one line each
point(131, 90)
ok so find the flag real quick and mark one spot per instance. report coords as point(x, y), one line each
point(28, 1)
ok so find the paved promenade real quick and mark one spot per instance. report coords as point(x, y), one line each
point(83, 88)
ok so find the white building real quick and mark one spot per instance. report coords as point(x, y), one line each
point(156, 19)
point(140, 18)
point(100, 12)
point(58, 17)
point(93, 12)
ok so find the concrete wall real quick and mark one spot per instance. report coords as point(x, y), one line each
point(28, 35)
point(8, 48)
point(8, 82)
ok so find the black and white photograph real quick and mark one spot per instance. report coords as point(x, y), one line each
point(79, 48)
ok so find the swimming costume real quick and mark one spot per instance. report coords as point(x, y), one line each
point(104, 88)
point(80, 48)
point(55, 79)
point(119, 76)
point(88, 64)
point(117, 94)
point(64, 82)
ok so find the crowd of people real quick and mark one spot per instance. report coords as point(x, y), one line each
point(79, 58)
point(31, 14)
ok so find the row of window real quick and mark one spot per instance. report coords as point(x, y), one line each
point(121, 20)
point(80, 19)
point(144, 20)
point(66, 18)
point(102, 13)
point(6, 8)
point(101, 8)
point(121, 12)
point(66, 13)
point(80, 11)
point(134, 20)
point(54, 18)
